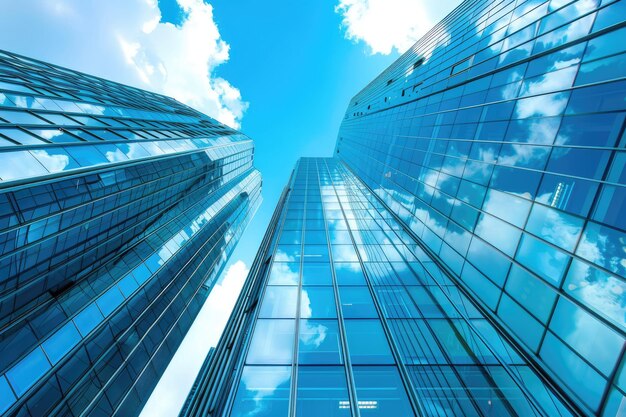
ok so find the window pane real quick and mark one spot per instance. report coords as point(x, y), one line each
point(367, 342)
point(263, 392)
point(380, 392)
point(318, 303)
point(356, 302)
point(27, 371)
point(284, 273)
point(319, 342)
point(7, 398)
point(322, 391)
point(272, 342)
point(396, 302)
point(316, 253)
point(279, 302)
point(88, 319)
point(61, 342)
point(316, 274)
point(349, 273)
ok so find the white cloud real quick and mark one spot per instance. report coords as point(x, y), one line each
point(122, 40)
point(385, 25)
point(170, 394)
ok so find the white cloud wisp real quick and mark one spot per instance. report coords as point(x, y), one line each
point(385, 25)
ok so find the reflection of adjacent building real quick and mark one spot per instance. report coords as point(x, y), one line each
point(561, 195)
point(120, 207)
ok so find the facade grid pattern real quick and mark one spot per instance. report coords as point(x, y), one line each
point(118, 210)
point(499, 141)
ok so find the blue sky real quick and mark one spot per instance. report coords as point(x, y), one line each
point(282, 71)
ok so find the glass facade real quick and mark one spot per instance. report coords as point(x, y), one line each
point(498, 140)
point(347, 315)
point(118, 210)
point(463, 252)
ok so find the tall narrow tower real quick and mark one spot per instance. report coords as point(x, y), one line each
point(118, 209)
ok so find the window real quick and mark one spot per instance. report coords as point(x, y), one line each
point(396, 302)
point(550, 265)
point(349, 273)
point(316, 274)
point(61, 342)
point(357, 302)
point(272, 342)
point(319, 342)
point(380, 392)
point(7, 398)
point(461, 66)
point(284, 273)
point(322, 391)
point(263, 392)
point(367, 343)
point(27, 371)
point(88, 319)
point(279, 302)
point(315, 253)
point(317, 303)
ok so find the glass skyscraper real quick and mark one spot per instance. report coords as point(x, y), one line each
point(118, 209)
point(463, 253)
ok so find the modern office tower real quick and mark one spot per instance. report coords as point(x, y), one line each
point(118, 209)
point(482, 181)
point(498, 139)
point(345, 314)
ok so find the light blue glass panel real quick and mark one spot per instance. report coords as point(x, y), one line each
point(316, 274)
point(7, 398)
point(110, 300)
point(54, 159)
point(396, 302)
point(507, 207)
point(380, 392)
point(88, 319)
point(543, 259)
point(500, 234)
point(86, 155)
point(349, 273)
point(573, 372)
point(488, 260)
point(61, 342)
point(316, 253)
point(27, 371)
point(367, 343)
point(575, 326)
point(279, 302)
point(128, 285)
point(357, 302)
point(19, 164)
point(322, 391)
point(272, 342)
point(554, 226)
point(599, 290)
point(263, 392)
point(486, 290)
point(319, 342)
point(527, 328)
point(284, 273)
point(602, 246)
point(530, 292)
point(291, 237)
point(344, 253)
point(317, 303)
